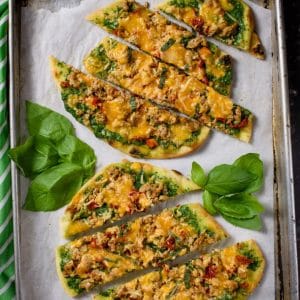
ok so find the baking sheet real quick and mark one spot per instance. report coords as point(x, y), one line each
point(66, 35)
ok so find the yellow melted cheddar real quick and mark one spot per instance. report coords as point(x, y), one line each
point(230, 21)
point(119, 190)
point(156, 35)
point(207, 277)
point(149, 78)
point(145, 242)
point(127, 122)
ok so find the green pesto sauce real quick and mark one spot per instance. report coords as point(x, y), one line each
point(221, 84)
point(188, 216)
point(110, 20)
point(185, 3)
point(73, 283)
point(249, 253)
point(108, 65)
point(64, 70)
point(225, 297)
point(65, 257)
point(141, 177)
point(236, 15)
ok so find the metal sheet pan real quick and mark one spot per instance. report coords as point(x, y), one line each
point(286, 270)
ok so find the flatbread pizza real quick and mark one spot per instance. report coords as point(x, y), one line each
point(128, 123)
point(166, 85)
point(119, 190)
point(153, 33)
point(229, 21)
point(230, 273)
point(149, 241)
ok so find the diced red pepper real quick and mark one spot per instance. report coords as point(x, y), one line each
point(242, 124)
point(65, 84)
point(170, 243)
point(197, 24)
point(92, 205)
point(205, 80)
point(93, 243)
point(151, 143)
point(243, 260)
point(210, 271)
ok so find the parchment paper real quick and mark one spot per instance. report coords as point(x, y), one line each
point(66, 35)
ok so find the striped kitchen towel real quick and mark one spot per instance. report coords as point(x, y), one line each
point(7, 271)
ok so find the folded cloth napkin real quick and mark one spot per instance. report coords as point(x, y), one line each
point(7, 268)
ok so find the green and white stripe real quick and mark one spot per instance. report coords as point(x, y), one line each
point(7, 270)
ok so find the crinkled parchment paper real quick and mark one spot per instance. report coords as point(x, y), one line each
point(68, 36)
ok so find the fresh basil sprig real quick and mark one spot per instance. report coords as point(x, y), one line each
point(56, 161)
point(228, 188)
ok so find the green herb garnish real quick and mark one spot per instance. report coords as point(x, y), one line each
point(185, 213)
point(57, 162)
point(185, 40)
point(132, 103)
point(170, 42)
point(163, 77)
point(74, 284)
point(228, 188)
point(185, 3)
point(187, 278)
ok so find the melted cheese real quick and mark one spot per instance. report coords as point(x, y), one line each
point(118, 195)
point(114, 110)
point(143, 76)
point(221, 106)
point(133, 248)
point(180, 133)
point(211, 14)
point(209, 279)
point(150, 31)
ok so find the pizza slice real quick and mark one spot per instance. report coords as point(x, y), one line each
point(229, 21)
point(125, 121)
point(144, 75)
point(153, 33)
point(230, 273)
point(149, 241)
point(119, 190)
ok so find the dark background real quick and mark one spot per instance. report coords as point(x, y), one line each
point(292, 28)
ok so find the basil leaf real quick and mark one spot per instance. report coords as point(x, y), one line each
point(34, 156)
point(252, 223)
point(54, 188)
point(187, 278)
point(46, 122)
point(240, 206)
point(228, 179)
point(73, 150)
point(170, 42)
point(253, 164)
point(198, 174)
point(132, 103)
point(208, 202)
point(163, 77)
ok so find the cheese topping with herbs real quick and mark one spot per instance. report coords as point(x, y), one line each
point(145, 242)
point(150, 78)
point(121, 189)
point(156, 35)
point(127, 122)
point(229, 21)
point(230, 273)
